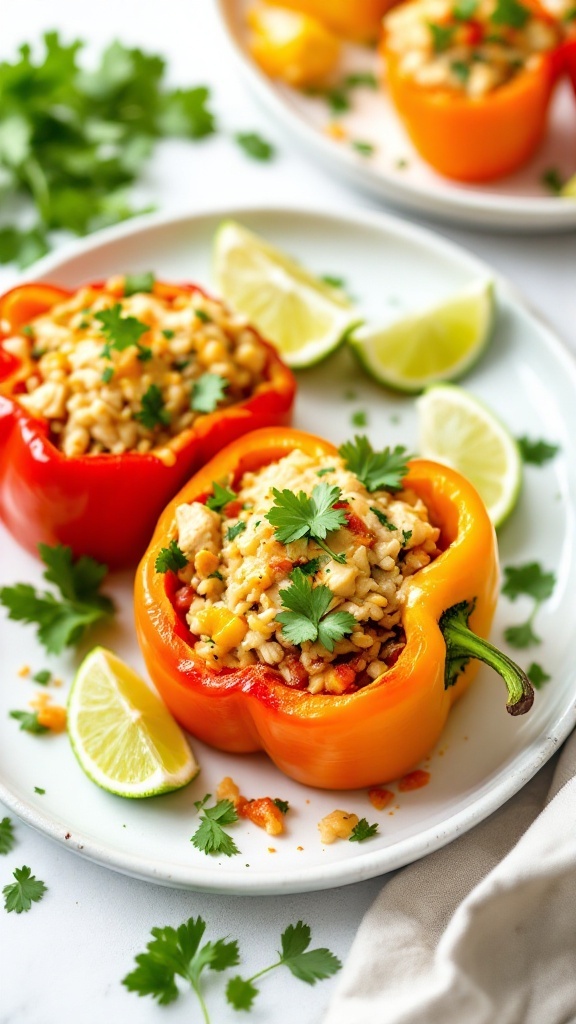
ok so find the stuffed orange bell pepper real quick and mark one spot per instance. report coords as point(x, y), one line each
point(351, 19)
point(111, 396)
point(327, 606)
point(472, 82)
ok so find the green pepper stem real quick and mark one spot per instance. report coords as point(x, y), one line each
point(462, 643)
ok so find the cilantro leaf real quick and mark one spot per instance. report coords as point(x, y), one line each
point(241, 993)
point(406, 536)
point(234, 531)
point(28, 721)
point(530, 580)
point(383, 518)
point(7, 839)
point(171, 558)
point(207, 391)
point(176, 952)
point(21, 894)
point(376, 470)
point(308, 965)
point(153, 413)
point(42, 677)
point(185, 113)
point(359, 418)
point(221, 497)
point(294, 516)
point(255, 146)
point(136, 283)
point(306, 618)
point(210, 836)
point(121, 332)
point(463, 10)
point(537, 676)
point(521, 636)
point(365, 79)
point(536, 453)
point(510, 13)
point(60, 621)
point(442, 36)
point(362, 147)
point(363, 831)
point(282, 805)
point(310, 568)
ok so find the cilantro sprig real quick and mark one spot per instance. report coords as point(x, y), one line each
point(363, 831)
point(510, 13)
point(208, 391)
point(153, 412)
point(29, 721)
point(220, 497)
point(170, 558)
point(295, 516)
point(376, 470)
point(536, 453)
point(255, 146)
point(7, 838)
point(177, 953)
point(528, 580)
point(23, 892)
point(210, 836)
point(306, 618)
point(121, 332)
point(60, 619)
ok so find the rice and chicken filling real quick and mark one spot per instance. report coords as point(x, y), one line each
point(116, 372)
point(467, 46)
point(235, 585)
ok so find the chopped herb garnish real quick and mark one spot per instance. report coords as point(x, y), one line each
point(60, 620)
point(202, 315)
point(235, 531)
point(21, 894)
point(460, 70)
point(406, 536)
point(121, 332)
point(153, 413)
point(39, 790)
point(28, 331)
point(220, 498)
point(528, 580)
point(42, 677)
point(463, 10)
point(442, 36)
point(383, 518)
point(216, 576)
point(7, 839)
point(136, 283)
point(108, 374)
point(210, 836)
point(207, 392)
point(362, 79)
point(537, 675)
point(359, 418)
point(510, 13)
point(307, 617)
point(171, 558)
point(364, 148)
point(255, 146)
point(552, 179)
point(28, 721)
point(536, 453)
point(168, 334)
point(310, 568)
point(37, 353)
point(376, 470)
point(333, 281)
point(294, 516)
point(282, 805)
point(325, 471)
point(401, 164)
point(338, 101)
point(362, 831)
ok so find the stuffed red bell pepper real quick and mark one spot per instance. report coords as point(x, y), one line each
point(111, 396)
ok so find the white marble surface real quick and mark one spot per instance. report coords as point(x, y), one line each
point(65, 958)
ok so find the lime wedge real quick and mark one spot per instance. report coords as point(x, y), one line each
point(458, 430)
point(569, 189)
point(304, 318)
point(122, 734)
point(439, 344)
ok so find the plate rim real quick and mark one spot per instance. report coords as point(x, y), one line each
point(369, 864)
point(486, 211)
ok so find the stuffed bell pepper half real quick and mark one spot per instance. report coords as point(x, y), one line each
point(327, 606)
point(111, 396)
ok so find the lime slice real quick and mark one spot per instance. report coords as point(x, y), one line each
point(458, 430)
point(569, 189)
point(439, 344)
point(122, 734)
point(304, 318)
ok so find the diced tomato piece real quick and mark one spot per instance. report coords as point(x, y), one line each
point(281, 565)
point(414, 780)
point(233, 509)
point(297, 674)
point(264, 813)
point(183, 598)
point(380, 798)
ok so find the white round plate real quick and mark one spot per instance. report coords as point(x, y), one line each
point(484, 755)
point(395, 172)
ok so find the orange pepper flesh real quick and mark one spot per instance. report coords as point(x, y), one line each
point(106, 505)
point(358, 739)
point(475, 139)
point(352, 19)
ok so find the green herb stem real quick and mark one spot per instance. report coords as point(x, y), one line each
point(462, 643)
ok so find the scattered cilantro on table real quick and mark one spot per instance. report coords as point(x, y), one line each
point(255, 146)
point(528, 580)
point(22, 893)
point(207, 391)
point(362, 831)
point(536, 453)
point(171, 558)
point(376, 470)
point(210, 836)
point(29, 721)
point(38, 789)
point(42, 677)
point(359, 418)
point(60, 620)
point(72, 141)
point(307, 618)
point(294, 516)
point(220, 497)
point(363, 147)
point(537, 675)
point(7, 839)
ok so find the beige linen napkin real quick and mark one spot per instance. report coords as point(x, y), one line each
point(481, 932)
